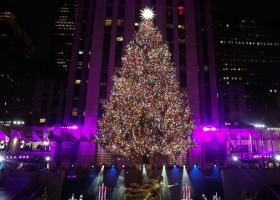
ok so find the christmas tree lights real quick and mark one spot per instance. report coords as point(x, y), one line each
point(146, 113)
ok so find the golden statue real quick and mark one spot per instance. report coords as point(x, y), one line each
point(148, 191)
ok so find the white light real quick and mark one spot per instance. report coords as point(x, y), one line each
point(259, 125)
point(48, 158)
point(1, 159)
point(147, 13)
point(234, 158)
point(45, 143)
point(277, 157)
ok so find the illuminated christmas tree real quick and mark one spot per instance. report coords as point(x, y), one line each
point(146, 114)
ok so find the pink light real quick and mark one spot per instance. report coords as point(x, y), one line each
point(72, 127)
point(205, 129)
point(209, 128)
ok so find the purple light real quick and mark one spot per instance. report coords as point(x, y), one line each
point(72, 127)
point(205, 129)
point(68, 176)
point(209, 128)
point(74, 176)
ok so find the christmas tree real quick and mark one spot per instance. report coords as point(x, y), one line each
point(146, 113)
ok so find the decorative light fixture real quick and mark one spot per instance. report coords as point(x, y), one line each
point(235, 158)
point(147, 14)
point(48, 158)
point(209, 128)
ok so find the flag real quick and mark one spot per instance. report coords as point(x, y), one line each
point(45, 137)
point(238, 140)
point(229, 142)
point(36, 137)
point(250, 143)
point(3, 136)
point(23, 136)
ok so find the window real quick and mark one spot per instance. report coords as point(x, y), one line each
point(119, 39)
point(120, 22)
point(108, 22)
point(181, 26)
point(42, 120)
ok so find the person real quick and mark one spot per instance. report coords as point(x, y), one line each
point(203, 197)
point(214, 198)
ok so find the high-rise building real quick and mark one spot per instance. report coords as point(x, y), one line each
point(14, 39)
point(103, 28)
point(50, 88)
point(63, 32)
point(16, 46)
point(248, 59)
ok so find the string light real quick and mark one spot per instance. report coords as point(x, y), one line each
point(146, 114)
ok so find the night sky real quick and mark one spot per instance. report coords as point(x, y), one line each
point(39, 16)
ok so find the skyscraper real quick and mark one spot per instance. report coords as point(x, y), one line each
point(247, 55)
point(63, 32)
point(16, 47)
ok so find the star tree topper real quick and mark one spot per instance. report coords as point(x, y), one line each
point(147, 14)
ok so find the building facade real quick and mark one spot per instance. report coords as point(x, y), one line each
point(16, 48)
point(224, 147)
point(63, 32)
point(247, 57)
point(103, 28)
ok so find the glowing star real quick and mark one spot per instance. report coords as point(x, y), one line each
point(147, 13)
